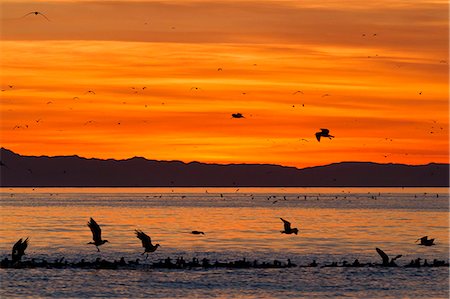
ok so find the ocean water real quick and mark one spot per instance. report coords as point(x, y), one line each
point(335, 224)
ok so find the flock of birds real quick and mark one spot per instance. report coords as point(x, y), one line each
point(18, 251)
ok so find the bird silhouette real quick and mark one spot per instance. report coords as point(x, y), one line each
point(146, 242)
point(18, 250)
point(425, 241)
point(96, 234)
point(237, 115)
point(36, 13)
point(90, 91)
point(323, 133)
point(298, 91)
point(385, 258)
point(287, 228)
point(196, 232)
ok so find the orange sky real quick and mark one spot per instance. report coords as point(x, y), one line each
point(388, 93)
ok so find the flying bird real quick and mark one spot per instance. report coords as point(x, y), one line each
point(237, 115)
point(425, 241)
point(287, 228)
point(36, 13)
point(219, 69)
point(196, 232)
point(146, 242)
point(323, 133)
point(18, 250)
point(96, 234)
point(298, 91)
point(385, 258)
point(89, 91)
point(327, 95)
point(195, 88)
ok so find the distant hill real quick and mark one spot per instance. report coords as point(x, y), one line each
point(74, 171)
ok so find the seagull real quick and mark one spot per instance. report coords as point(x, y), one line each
point(287, 228)
point(196, 232)
point(298, 91)
point(237, 115)
point(96, 234)
point(219, 69)
point(146, 242)
point(196, 88)
point(36, 13)
point(385, 258)
point(89, 91)
point(425, 241)
point(18, 250)
point(323, 133)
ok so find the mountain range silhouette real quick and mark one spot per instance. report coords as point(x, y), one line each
point(74, 171)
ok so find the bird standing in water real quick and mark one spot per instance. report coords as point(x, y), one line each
point(96, 234)
point(146, 242)
point(18, 250)
point(287, 228)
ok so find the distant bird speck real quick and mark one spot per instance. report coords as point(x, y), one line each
point(196, 232)
point(298, 91)
point(237, 115)
point(36, 13)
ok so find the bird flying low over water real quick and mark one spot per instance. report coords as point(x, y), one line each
point(287, 228)
point(425, 241)
point(323, 133)
point(18, 250)
point(36, 13)
point(237, 115)
point(196, 232)
point(96, 234)
point(146, 242)
point(385, 258)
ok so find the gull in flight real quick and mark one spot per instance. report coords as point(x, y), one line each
point(96, 234)
point(425, 241)
point(287, 228)
point(146, 242)
point(298, 91)
point(36, 13)
point(323, 133)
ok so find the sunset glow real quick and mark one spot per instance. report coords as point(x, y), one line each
point(166, 77)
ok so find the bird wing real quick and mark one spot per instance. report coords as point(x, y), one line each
point(96, 230)
point(318, 134)
point(24, 245)
point(146, 240)
point(383, 255)
point(17, 245)
point(287, 225)
point(325, 131)
point(44, 16)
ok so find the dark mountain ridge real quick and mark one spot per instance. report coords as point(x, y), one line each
point(74, 171)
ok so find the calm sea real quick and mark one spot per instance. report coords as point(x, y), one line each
point(335, 224)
